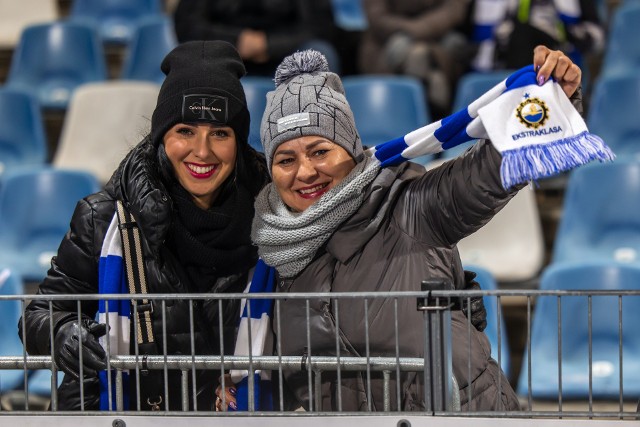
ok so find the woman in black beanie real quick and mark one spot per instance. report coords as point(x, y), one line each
point(190, 187)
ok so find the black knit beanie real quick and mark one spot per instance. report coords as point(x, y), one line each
point(202, 85)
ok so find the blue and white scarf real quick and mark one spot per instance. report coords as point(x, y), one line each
point(536, 129)
point(256, 317)
point(112, 280)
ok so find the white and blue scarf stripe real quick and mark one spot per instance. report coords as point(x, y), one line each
point(255, 316)
point(112, 280)
point(528, 152)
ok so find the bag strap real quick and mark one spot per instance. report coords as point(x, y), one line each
point(136, 277)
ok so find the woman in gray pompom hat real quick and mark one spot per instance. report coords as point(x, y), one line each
point(190, 186)
point(333, 220)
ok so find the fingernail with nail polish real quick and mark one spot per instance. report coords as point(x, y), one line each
point(537, 67)
point(232, 406)
point(232, 391)
point(541, 80)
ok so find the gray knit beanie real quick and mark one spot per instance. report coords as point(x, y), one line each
point(308, 100)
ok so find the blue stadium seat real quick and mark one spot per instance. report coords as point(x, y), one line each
point(152, 39)
point(622, 52)
point(35, 209)
point(600, 218)
point(470, 87)
point(22, 135)
point(52, 59)
point(349, 15)
point(255, 89)
point(11, 283)
point(496, 328)
point(605, 323)
point(474, 84)
point(386, 107)
point(39, 381)
point(612, 111)
point(115, 20)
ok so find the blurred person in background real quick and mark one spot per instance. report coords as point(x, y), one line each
point(263, 31)
point(505, 31)
point(419, 38)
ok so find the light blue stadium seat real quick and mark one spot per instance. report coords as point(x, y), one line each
point(22, 135)
point(622, 52)
point(387, 107)
point(39, 381)
point(255, 90)
point(35, 210)
point(600, 219)
point(52, 59)
point(614, 102)
point(153, 38)
point(496, 328)
point(470, 87)
point(605, 323)
point(115, 20)
point(349, 15)
point(11, 283)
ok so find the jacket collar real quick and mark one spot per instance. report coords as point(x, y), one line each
point(137, 183)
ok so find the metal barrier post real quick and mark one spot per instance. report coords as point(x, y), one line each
point(437, 347)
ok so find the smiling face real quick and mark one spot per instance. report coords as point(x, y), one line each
point(203, 157)
point(305, 168)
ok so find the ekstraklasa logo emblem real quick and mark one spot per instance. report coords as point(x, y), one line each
point(532, 112)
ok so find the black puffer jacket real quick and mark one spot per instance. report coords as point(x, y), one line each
point(75, 271)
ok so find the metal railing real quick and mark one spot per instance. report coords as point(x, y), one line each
point(441, 397)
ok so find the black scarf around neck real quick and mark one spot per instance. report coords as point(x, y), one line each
point(212, 243)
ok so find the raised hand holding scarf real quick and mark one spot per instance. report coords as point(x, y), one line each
point(535, 128)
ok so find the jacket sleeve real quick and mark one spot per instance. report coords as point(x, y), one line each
point(73, 271)
point(455, 199)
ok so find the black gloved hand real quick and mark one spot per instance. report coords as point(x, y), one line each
point(68, 341)
point(478, 312)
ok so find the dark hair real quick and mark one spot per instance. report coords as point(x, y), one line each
point(250, 170)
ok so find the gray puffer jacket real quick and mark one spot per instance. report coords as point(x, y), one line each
point(405, 232)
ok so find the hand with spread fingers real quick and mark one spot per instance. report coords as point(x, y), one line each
point(555, 63)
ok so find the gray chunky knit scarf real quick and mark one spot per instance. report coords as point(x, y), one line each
point(288, 240)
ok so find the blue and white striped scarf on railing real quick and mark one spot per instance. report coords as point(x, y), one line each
point(535, 128)
point(112, 280)
point(254, 331)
